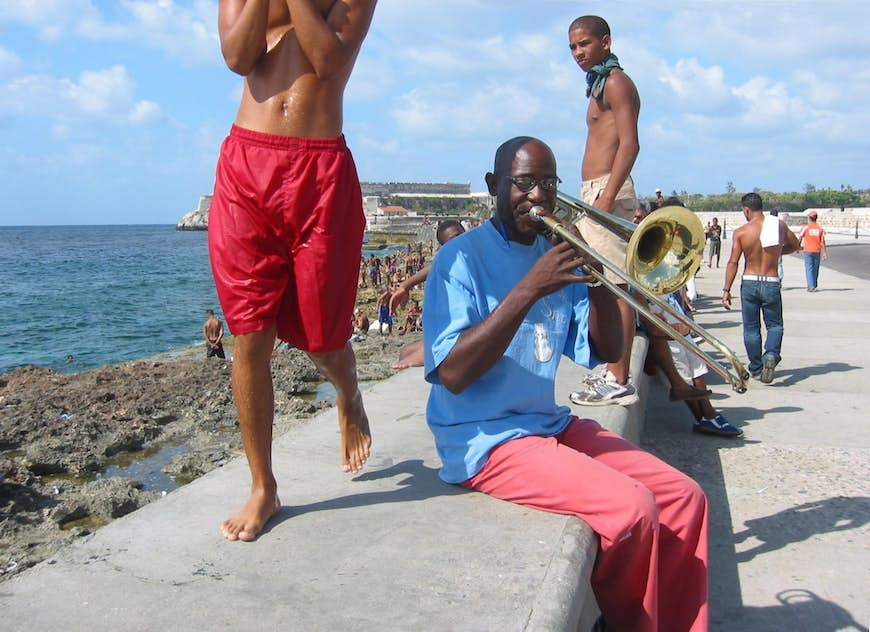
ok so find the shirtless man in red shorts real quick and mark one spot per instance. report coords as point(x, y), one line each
point(286, 221)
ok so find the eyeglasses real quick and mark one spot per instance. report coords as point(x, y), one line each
point(527, 183)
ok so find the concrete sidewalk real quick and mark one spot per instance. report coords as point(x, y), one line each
point(395, 549)
point(790, 501)
point(392, 548)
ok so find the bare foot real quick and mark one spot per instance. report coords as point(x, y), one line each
point(356, 438)
point(410, 355)
point(247, 524)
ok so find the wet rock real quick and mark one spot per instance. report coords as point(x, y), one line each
point(106, 499)
point(58, 431)
point(115, 497)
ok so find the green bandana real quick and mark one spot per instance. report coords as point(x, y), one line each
point(596, 77)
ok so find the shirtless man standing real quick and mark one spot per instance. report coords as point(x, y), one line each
point(286, 221)
point(611, 149)
point(213, 332)
point(761, 242)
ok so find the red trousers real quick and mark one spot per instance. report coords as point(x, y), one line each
point(651, 569)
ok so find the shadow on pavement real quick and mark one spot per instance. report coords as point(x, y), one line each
point(788, 377)
point(420, 482)
point(798, 608)
point(800, 523)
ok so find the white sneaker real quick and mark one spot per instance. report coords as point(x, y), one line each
point(601, 390)
point(597, 376)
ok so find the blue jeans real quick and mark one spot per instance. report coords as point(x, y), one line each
point(757, 299)
point(812, 261)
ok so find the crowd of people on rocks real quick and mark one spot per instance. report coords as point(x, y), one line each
point(389, 273)
point(406, 271)
point(390, 269)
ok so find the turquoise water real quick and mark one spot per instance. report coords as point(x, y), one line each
point(103, 294)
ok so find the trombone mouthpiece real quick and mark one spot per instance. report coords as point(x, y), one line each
point(535, 212)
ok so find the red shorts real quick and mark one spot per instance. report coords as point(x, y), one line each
point(285, 234)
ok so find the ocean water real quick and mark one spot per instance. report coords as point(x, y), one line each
point(102, 294)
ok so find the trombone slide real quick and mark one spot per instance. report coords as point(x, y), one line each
point(739, 379)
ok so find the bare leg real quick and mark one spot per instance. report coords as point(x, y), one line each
point(252, 389)
point(339, 367)
point(661, 355)
point(695, 395)
point(695, 407)
point(706, 408)
point(660, 352)
point(620, 367)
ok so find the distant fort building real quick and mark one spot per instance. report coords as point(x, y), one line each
point(384, 189)
point(387, 202)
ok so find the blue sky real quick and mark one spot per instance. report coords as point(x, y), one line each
point(113, 112)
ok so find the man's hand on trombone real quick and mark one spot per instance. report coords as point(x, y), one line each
point(567, 234)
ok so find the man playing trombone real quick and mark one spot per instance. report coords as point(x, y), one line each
point(502, 304)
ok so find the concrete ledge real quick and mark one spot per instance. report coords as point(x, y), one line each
point(393, 548)
point(561, 609)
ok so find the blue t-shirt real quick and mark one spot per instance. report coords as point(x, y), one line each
point(469, 277)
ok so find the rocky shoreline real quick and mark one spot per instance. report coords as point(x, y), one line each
point(59, 434)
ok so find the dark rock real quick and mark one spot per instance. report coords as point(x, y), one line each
point(58, 430)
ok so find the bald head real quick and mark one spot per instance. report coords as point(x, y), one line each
point(505, 154)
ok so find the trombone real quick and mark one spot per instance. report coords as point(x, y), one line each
point(662, 254)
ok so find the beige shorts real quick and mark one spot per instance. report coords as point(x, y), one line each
point(602, 240)
point(687, 364)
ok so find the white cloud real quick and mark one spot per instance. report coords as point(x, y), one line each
point(377, 145)
point(52, 18)
point(29, 94)
point(102, 91)
point(816, 90)
point(144, 112)
point(449, 111)
point(9, 62)
point(697, 88)
point(371, 78)
point(98, 95)
point(416, 113)
point(187, 31)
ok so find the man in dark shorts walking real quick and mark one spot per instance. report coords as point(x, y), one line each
point(286, 220)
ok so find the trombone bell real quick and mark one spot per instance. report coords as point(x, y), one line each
point(664, 251)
